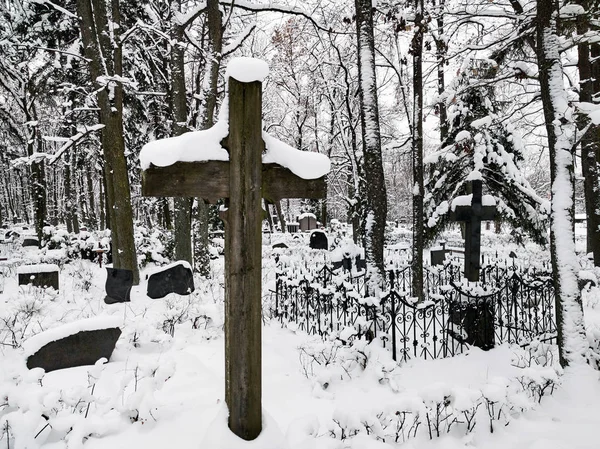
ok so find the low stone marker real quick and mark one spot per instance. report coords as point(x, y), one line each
point(41, 275)
point(118, 285)
point(31, 241)
point(472, 323)
point(318, 240)
point(307, 222)
point(79, 343)
point(174, 278)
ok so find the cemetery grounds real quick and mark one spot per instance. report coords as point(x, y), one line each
point(164, 384)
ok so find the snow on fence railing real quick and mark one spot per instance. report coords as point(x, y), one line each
point(507, 305)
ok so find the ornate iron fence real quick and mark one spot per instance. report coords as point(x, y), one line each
point(508, 305)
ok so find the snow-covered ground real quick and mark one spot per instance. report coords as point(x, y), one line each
point(162, 391)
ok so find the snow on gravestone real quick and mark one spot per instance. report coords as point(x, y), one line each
point(174, 278)
point(79, 343)
point(41, 275)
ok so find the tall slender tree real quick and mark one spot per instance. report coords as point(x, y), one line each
point(100, 33)
point(373, 183)
point(558, 117)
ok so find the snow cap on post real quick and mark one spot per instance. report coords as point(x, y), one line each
point(247, 70)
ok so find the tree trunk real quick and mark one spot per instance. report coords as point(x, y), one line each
point(206, 112)
point(417, 154)
point(569, 311)
point(376, 197)
point(99, 23)
point(178, 107)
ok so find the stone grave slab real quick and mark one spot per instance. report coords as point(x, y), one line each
point(79, 343)
point(31, 241)
point(318, 240)
point(41, 275)
point(118, 285)
point(174, 278)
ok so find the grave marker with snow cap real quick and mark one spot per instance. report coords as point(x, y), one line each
point(41, 275)
point(174, 278)
point(30, 241)
point(79, 343)
point(307, 222)
point(237, 160)
point(318, 240)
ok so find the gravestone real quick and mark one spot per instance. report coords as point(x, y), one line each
point(174, 278)
point(31, 241)
point(42, 275)
point(438, 254)
point(307, 222)
point(119, 282)
point(472, 322)
point(74, 344)
point(318, 240)
point(280, 245)
point(292, 227)
point(471, 210)
point(244, 179)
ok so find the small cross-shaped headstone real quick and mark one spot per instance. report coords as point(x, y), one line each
point(244, 180)
point(473, 214)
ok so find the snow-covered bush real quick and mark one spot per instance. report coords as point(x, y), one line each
point(442, 408)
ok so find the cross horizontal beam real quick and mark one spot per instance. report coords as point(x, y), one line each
point(210, 181)
point(466, 213)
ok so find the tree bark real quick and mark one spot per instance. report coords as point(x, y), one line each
point(417, 154)
point(99, 23)
point(178, 107)
point(374, 182)
point(569, 311)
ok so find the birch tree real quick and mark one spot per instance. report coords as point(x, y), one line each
point(375, 209)
point(558, 117)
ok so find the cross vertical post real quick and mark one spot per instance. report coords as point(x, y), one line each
point(243, 260)
point(473, 215)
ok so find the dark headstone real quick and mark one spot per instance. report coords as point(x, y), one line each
point(280, 245)
point(118, 285)
point(80, 349)
point(347, 263)
point(175, 278)
point(472, 323)
point(438, 256)
point(318, 240)
point(45, 277)
point(31, 241)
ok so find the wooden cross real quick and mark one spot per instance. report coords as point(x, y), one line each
point(244, 180)
point(473, 215)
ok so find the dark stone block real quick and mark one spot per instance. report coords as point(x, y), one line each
point(438, 256)
point(175, 278)
point(472, 323)
point(318, 240)
point(118, 285)
point(80, 349)
point(30, 241)
point(280, 245)
point(42, 279)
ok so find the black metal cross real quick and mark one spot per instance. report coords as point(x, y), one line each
point(473, 215)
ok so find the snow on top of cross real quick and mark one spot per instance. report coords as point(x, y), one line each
point(247, 70)
point(466, 200)
point(203, 146)
point(196, 146)
point(305, 164)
